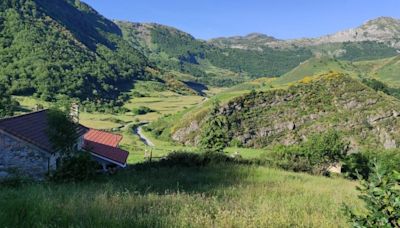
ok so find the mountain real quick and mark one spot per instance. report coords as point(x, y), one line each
point(60, 48)
point(64, 47)
point(375, 39)
point(177, 51)
point(251, 41)
point(287, 116)
point(383, 30)
point(228, 61)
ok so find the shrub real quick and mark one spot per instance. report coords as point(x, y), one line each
point(76, 168)
point(315, 155)
point(376, 85)
point(381, 195)
point(360, 163)
point(188, 159)
point(290, 158)
point(356, 164)
point(142, 110)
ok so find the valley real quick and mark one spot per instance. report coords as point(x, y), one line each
point(238, 131)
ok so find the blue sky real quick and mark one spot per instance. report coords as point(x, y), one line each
point(283, 19)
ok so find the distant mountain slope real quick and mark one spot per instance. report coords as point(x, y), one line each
point(177, 53)
point(64, 47)
point(378, 38)
point(226, 61)
point(251, 41)
point(383, 30)
point(316, 66)
point(175, 50)
point(366, 117)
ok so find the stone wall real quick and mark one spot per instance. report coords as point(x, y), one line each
point(23, 158)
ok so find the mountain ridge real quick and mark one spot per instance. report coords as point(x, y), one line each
point(371, 30)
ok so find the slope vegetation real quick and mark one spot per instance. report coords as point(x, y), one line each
point(288, 116)
point(64, 47)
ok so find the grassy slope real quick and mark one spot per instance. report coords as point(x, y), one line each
point(223, 196)
point(386, 70)
point(317, 66)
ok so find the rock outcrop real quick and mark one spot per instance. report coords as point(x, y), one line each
point(332, 101)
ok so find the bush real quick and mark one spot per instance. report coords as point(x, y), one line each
point(76, 168)
point(360, 163)
point(142, 110)
point(315, 155)
point(356, 164)
point(289, 158)
point(188, 159)
point(381, 195)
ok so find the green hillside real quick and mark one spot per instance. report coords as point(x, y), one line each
point(175, 50)
point(385, 70)
point(60, 47)
point(316, 66)
point(177, 53)
point(287, 116)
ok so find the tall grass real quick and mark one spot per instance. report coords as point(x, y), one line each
point(212, 196)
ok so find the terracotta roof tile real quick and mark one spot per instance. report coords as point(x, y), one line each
point(105, 144)
point(113, 153)
point(103, 137)
point(32, 128)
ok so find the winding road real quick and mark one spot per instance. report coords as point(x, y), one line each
point(139, 129)
point(139, 132)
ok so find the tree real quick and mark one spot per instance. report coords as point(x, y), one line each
point(62, 132)
point(381, 195)
point(324, 150)
point(214, 135)
point(7, 105)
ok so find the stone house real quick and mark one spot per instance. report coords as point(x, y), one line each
point(25, 147)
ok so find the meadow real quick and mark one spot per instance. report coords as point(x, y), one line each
point(212, 196)
point(217, 195)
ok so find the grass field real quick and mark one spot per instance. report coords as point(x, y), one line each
point(213, 196)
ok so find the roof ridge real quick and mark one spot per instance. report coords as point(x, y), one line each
point(22, 115)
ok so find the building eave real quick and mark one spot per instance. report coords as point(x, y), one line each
point(108, 160)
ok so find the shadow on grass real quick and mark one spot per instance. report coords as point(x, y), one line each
point(201, 179)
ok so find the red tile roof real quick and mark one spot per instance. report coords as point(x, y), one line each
point(32, 128)
point(103, 137)
point(105, 145)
